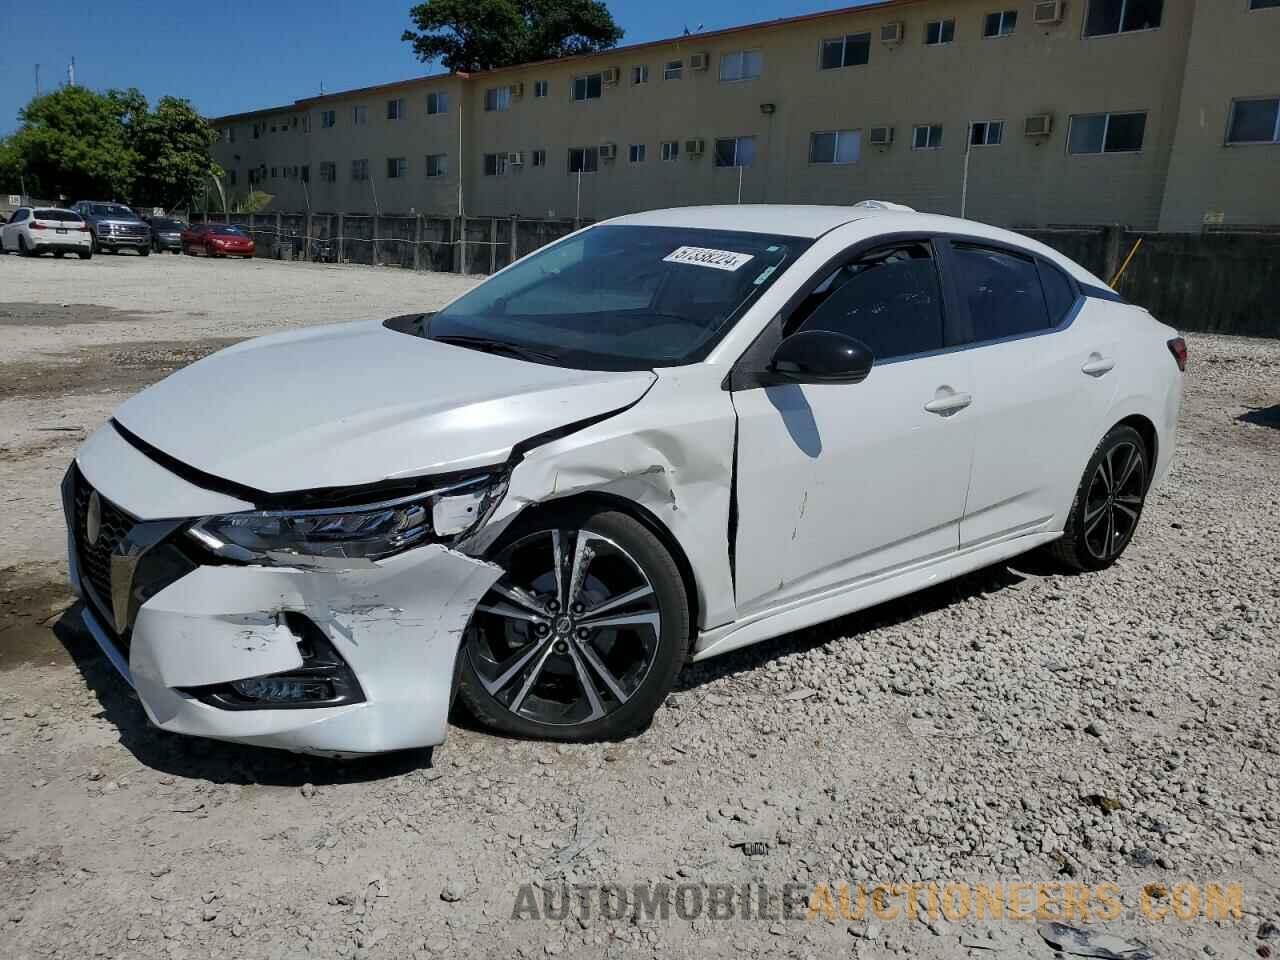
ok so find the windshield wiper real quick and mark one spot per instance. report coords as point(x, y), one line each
point(502, 347)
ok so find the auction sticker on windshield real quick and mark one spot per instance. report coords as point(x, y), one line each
point(707, 257)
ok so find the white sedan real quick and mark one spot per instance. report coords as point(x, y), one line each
point(32, 231)
point(661, 438)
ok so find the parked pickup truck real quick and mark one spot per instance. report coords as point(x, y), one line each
point(115, 227)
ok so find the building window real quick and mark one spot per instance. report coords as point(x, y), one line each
point(640, 74)
point(1106, 133)
point(1000, 24)
point(306, 123)
point(851, 51)
point(497, 99)
point(735, 151)
point(257, 131)
point(538, 158)
point(740, 65)
point(1108, 17)
point(437, 103)
point(328, 171)
point(495, 164)
point(670, 150)
point(939, 32)
point(437, 164)
point(397, 168)
point(673, 70)
point(1255, 121)
point(1264, 4)
point(306, 173)
point(986, 133)
point(231, 178)
point(395, 109)
point(635, 153)
point(359, 169)
point(588, 87)
point(584, 159)
point(926, 136)
point(541, 88)
point(328, 118)
point(835, 146)
point(359, 116)
point(275, 172)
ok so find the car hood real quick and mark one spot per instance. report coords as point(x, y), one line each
point(359, 403)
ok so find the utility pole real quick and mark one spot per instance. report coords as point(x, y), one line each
point(71, 73)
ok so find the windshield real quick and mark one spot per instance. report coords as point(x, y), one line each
point(231, 231)
point(112, 210)
point(160, 224)
point(620, 297)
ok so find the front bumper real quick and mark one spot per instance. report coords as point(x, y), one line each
point(114, 240)
point(167, 243)
point(397, 624)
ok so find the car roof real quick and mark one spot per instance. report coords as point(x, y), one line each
point(810, 221)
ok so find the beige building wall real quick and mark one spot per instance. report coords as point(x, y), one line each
point(1023, 181)
point(1234, 53)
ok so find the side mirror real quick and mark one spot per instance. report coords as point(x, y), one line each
point(821, 356)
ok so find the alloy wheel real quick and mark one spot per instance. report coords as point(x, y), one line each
point(1114, 501)
point(570, 631)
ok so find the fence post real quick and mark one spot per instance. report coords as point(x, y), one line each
point(279, 236)
point(514, 247)
point(493, 245)
point(462, 245)
point(1112, 238)
point(306, 239)
point(417, 242)
point(342, 241)
point(374, 238)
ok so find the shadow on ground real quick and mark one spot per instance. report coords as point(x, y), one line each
point(1262, 416)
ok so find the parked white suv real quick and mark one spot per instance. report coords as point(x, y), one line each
point(32, 231)
point(663, 437)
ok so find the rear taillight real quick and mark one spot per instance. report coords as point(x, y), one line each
point(83, 228)
point(1178, 347)
point(38, 226)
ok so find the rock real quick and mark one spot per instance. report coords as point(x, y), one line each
point(308, 790)
point(1096, 728)
point(453, 891)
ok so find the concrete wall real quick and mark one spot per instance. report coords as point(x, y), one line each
point(1234, 53)
point(1022, 182)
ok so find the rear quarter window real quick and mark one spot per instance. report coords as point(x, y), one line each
point(1001, 291)
point(1059, 292)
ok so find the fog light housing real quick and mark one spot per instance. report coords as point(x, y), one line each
point(323, 680)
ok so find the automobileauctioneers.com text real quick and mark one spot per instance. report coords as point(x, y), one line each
point(886, 902)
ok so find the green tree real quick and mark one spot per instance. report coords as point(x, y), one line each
point(469, 35)
point(74, 142)
point(173, 144)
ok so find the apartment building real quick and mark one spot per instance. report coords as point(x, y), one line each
point(1151, 113)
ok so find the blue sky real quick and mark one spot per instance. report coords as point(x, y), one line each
point(232, 55)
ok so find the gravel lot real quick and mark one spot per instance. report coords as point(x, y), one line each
point(1016, 725)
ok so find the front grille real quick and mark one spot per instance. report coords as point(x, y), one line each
point(95, 558)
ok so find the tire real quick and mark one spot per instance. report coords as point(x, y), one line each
point(85, 254)
point(1104, 513)
point(59, 254)
point(532, 664)
point(144, 251)
point(23, 249)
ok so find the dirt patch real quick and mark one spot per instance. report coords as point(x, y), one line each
point(123, 368)
point(61, 314)
point(28, 610)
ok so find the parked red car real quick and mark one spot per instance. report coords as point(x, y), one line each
point(217, 240)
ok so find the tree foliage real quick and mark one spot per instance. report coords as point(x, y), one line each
point(470, 35)
point(77, 143)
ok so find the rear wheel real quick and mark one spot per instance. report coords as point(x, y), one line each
point(582, 637)
point(59, 254)
point(144, 251)
point(85, 254)
point(23, 249)
point(1108, 503)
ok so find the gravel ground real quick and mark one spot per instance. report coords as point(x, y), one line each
point(1015, 725)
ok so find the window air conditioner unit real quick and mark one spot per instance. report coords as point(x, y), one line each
point(1049, 11)
point(1038, 125)
point(608, 151)
point(515, 158)
point(517, 89)
point(881, 136)
point(611, 75)
point(698, 61)
point(891, 33)
point(694, 148)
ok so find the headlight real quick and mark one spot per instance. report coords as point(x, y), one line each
point(351, 536)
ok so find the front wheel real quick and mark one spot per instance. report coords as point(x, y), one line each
point(583, 635)
point(1108, 503)
point(85, 254)
point(144, 251)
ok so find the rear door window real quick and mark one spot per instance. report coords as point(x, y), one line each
point(1001, 291)
point(889, 299)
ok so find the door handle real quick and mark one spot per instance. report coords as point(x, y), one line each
point(952, 403)
point(1097, 365)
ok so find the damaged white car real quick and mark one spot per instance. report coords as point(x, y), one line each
point(660, 438)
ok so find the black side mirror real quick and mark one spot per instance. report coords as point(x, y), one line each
point(821, 356)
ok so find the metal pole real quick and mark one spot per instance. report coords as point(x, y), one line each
point(740, 168)
point(964, 183)
point(577, 204)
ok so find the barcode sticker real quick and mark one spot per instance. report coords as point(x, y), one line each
point(706, 257)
